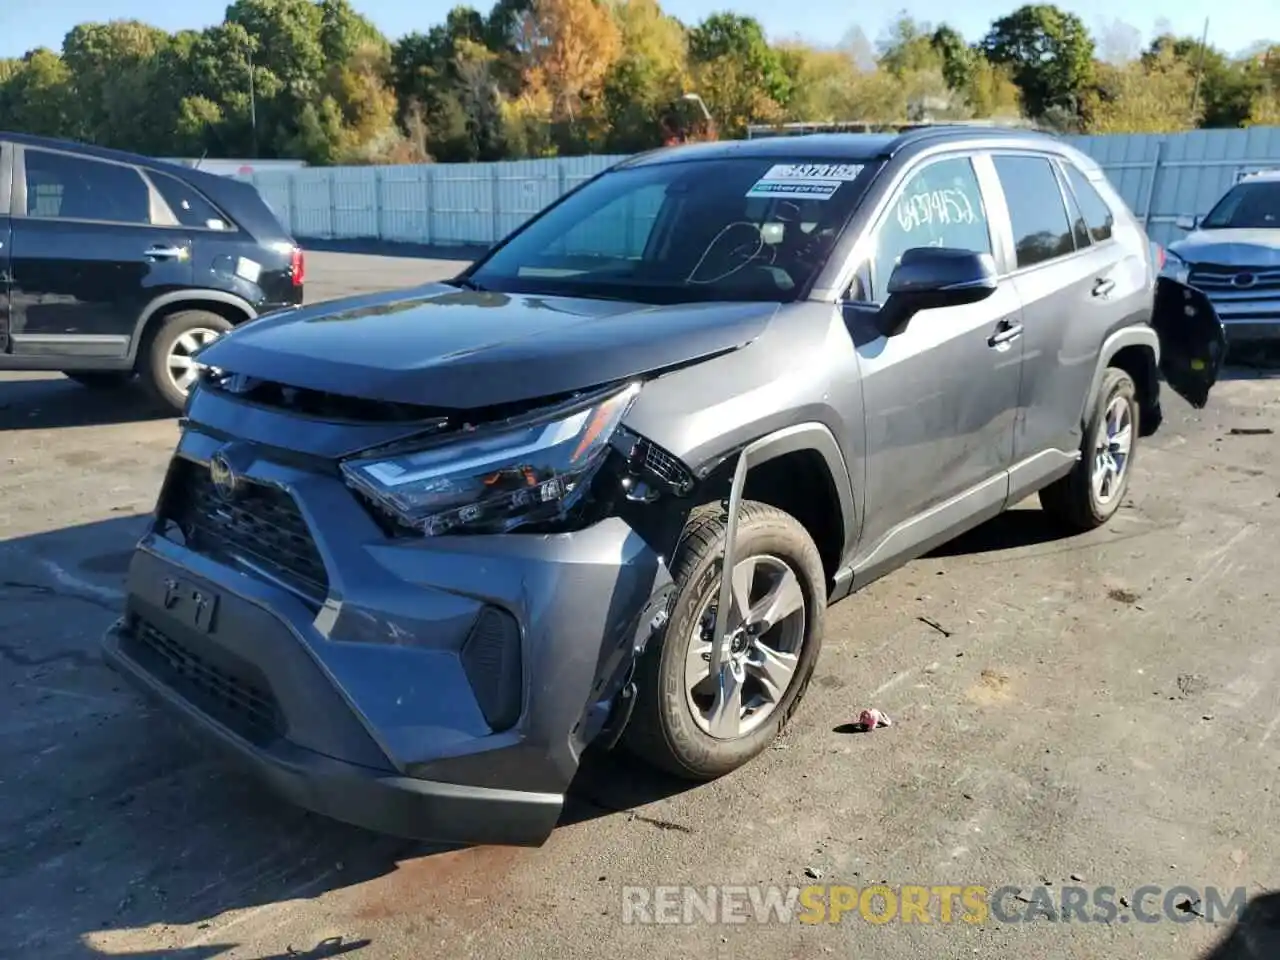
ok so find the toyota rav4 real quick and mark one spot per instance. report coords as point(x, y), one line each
point(416, 551)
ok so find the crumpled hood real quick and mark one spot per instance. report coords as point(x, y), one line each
point(1243, 248)
point(441, 346)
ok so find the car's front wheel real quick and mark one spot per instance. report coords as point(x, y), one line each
point(700, 726)
point(1091, 493)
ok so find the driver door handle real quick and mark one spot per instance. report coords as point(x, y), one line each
point(1103, 286)
point(1007, 331)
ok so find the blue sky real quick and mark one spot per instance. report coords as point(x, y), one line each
point(1233, 26)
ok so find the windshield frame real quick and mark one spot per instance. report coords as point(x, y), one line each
point(859, 188)
point(1240, 188)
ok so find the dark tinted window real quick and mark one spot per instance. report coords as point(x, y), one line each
point(938, 206)
point(65, 187)
point(1079, 229)
point(1040, 228)
point(1096, 212)
point(716, 229)
point(1253, 205)
point(191, 209)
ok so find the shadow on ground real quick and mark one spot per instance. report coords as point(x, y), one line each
point(115, 824)
point(48, 403)
point(1256, 934)
point(390, 248)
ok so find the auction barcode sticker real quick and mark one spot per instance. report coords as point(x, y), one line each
point(812, 181)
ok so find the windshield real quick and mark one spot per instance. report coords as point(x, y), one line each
point(1246, 206)
point(724, 229)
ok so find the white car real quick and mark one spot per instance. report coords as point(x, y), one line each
point(1233, 255)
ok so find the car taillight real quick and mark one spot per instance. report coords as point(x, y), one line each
point(1160, 257)
point(298, 266)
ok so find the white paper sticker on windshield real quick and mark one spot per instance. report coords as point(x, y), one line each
point(805, 181)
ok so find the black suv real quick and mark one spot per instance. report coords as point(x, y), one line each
point(113, 265)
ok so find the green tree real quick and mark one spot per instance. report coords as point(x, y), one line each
point(116, 73)
point(738, 44)
point(907, 46)
point(1150, 95)
point(1049, 53)
point(38, 96)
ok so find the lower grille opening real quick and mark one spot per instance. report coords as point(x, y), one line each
point(232, 696)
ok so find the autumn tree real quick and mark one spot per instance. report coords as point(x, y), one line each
point(648, 76)
point(1151, 95)
point(569, 48)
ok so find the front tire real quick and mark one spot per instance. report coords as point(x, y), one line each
point(680, 724)
point(1091, 493)
point(169, 371)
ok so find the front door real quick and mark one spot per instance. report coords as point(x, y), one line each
point(941, 396)
point(85, 257)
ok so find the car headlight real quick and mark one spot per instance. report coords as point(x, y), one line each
point(1175, 268)
point(494, 479)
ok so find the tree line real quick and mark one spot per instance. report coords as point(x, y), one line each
point(313, 79)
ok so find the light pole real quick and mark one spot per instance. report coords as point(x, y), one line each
point(253, 107)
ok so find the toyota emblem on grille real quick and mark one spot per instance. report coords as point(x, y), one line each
point(225, 481)
point(1244, 280)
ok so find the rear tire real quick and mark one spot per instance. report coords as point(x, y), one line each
point(668, 728)
point(166, 363)
point(1078, 501)
point(99, 379)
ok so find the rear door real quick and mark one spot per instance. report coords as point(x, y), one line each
point(92, 244)
point(6, 177)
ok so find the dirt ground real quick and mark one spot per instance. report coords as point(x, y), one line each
point(1105, 707)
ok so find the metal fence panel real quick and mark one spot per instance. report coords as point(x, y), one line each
point(1160, 177)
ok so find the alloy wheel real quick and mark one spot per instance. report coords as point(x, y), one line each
point(762, 646)
point(181, 363)
point(1112, 451)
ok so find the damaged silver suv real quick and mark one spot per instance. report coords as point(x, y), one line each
point(416, 551)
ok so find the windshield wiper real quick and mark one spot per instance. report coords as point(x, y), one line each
point(466, 284)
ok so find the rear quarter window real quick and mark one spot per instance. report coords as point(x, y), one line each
point(1098, 216)
point(188, 204)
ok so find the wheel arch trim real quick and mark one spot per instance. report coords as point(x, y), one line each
point(1137, 335)
point(792, 439)
point(184, 296)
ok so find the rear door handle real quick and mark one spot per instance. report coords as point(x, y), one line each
point(165, 253)
point(1103, 286)
point(1009, 330)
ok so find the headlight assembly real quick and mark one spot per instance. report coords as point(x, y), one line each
point(1175, 268)
point(494, 479)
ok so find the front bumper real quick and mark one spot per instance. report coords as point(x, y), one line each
point(370, 704)
point(376, 799)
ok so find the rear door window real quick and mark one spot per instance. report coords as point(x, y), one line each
point(65, 187)
point(1097, 214)
point(1037, 213)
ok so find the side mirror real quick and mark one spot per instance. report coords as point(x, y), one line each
point(1186, 222)
point(927, 278)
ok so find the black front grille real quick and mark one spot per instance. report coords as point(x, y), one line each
point(227, 693)
point(261, 527)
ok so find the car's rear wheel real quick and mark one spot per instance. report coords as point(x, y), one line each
point(700, 726)
point(170, 369)
point(1091, 493)
point(99, 379)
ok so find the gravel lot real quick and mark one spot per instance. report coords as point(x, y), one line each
point(1106, 706)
